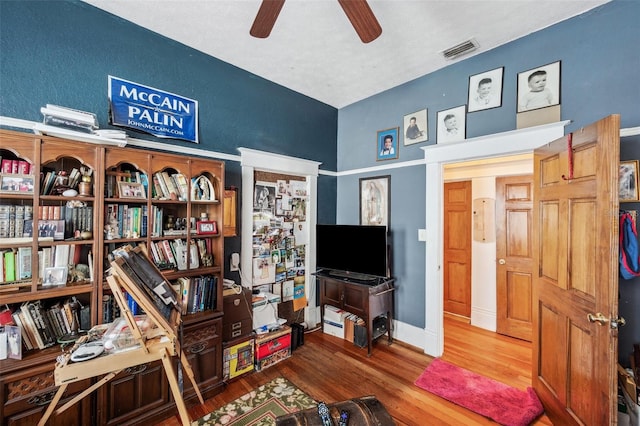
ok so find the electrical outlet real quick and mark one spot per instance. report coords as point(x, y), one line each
point(235, 262)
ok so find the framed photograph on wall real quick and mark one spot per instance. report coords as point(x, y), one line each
point(485, 90)
point(416, 128)
point(375, 200)
point(539, 87)
point(452, 124)
point(387, 144)
point(628, 188)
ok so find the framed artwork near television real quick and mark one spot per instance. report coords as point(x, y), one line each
point(375, 200)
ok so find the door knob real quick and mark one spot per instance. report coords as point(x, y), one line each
point(502, 261)
point(617, 323)
point(599, 318)
point(602, 320)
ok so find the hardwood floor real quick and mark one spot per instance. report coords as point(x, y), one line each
point(330, 369)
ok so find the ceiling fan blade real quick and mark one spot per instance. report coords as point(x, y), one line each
point(266, 18)
point(362, 19)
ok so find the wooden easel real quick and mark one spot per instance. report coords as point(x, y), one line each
point(158, 343)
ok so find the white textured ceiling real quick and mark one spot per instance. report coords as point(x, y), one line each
point(314, 50)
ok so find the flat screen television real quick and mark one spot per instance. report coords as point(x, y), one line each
point(357, 251)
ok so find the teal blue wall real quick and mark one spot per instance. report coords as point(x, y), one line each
point(62, 52)
point(600, 75)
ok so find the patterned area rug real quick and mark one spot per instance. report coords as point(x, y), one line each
point(261, 406)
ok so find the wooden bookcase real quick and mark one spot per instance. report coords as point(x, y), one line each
point(149, 225)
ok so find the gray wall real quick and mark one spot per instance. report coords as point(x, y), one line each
point(599, 76)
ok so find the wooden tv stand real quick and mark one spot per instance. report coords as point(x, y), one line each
point(368, 300)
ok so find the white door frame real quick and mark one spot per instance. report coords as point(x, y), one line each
point(252, 160)
point(435, 157)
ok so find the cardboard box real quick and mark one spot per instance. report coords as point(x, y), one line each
point(333, 314)
point(333, 328)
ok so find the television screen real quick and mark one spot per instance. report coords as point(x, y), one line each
point(352, 249)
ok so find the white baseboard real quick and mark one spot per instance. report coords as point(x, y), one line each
point(483, 318)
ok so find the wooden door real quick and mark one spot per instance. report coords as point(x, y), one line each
point(575, 254)
point(514, 266)
point(457, 248)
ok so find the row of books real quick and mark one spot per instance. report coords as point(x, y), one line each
point(54, 182)
point(12, 219)
point(170, 186)
point(198, 294)
point(172, 254)
point(111, 187)
point(15, 264)
point(16, 167)
point(42, 326)
point(132, 220)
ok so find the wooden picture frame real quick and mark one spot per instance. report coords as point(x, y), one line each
point(416, 127)
point(628, 181)
point(390, 151)
point(131, 190)
point(14, 184)
point(485, 90)
point(206, 227)
point(539, 87)
point(375, 200)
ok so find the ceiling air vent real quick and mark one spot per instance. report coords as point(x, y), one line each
point(461, 49)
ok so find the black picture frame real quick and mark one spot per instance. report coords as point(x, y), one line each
point(546, 97)
point(485, 90)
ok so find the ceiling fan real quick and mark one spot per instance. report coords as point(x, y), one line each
point(358, 12)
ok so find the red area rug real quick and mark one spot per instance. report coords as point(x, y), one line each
point(497, 401)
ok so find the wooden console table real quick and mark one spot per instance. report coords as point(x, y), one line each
point(368, 300)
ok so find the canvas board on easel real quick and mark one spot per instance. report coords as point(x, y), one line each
point(133, 272)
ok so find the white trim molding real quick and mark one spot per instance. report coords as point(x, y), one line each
point(436, 157)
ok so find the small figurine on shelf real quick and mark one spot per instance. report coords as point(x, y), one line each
point(111, 230)
point(84, 187)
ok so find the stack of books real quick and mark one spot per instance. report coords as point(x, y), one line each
point(68, 118)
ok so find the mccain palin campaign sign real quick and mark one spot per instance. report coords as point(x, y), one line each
point(153, 111)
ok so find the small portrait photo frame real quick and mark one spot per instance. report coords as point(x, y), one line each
point(539, 87)
point(415, 126)
point(387, 144)
point(131, 190)
point(375, 200)
point(452, 124)
point(55, 276)
point(12, 183)
point(264, 196)
point(485, 90)
point(206, 227)
point(628, 179)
